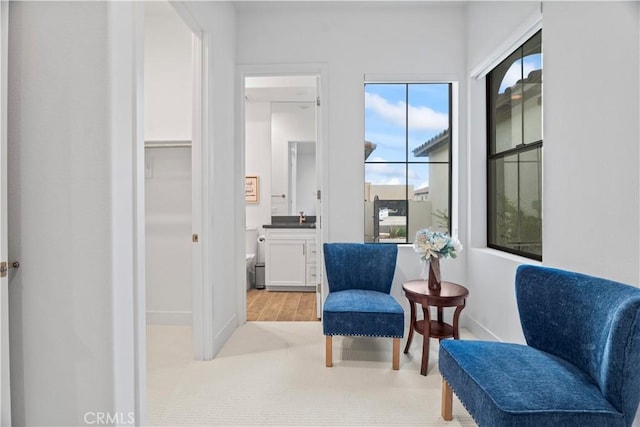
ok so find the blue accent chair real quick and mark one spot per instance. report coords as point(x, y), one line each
point(359, 304)
point(580, 367)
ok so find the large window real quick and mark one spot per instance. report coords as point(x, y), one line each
point(407, 159)
point(514, 169)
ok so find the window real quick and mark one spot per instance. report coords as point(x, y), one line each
point(407, 160)
point(514, 169)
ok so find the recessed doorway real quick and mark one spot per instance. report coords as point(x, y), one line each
point(281, 131)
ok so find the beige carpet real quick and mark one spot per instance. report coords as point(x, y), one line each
point(273, 373)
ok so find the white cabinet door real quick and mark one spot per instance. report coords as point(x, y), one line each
point(312, 277)
point(285, 263)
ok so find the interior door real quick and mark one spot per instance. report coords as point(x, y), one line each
point(5, 389)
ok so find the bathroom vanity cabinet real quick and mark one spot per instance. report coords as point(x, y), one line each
point(290, 259)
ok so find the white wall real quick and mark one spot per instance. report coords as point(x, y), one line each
point(409, 41)
point(258, 160)
point(168, 78)
point(591, 185)
point(591, 181)
point(491, 310)
point(168, 74)
point(168, 235)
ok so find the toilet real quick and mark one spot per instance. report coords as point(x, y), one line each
point(251, 247)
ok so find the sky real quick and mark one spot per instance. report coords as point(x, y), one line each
point(529, 63)
point(385, 125)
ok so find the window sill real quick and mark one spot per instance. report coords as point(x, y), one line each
point(507, 256)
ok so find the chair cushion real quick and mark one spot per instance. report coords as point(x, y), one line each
point(503, 384)
point(362, 312)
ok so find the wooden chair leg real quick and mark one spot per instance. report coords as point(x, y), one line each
point(396, 354)
point(329, 351)
point(447, 400)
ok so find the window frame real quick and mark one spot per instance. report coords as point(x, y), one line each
point(516, 150)
point(407, 162)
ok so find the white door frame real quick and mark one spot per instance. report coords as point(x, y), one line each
point(5, 372)
point(202, 284)
point(202, 287)
point(321, 71)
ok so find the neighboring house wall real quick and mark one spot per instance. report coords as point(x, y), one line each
point(439, 186)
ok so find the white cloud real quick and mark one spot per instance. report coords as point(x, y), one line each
point(386, 140)
point(383, 169)
point(393, 174)
point(419, 117)
point(383, 173)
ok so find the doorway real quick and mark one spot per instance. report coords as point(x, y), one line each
point(280, 134)
point(168, 122)
point(168, 135)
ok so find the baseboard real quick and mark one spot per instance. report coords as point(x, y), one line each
point(225, 333)
point(479, 331)
point(169, 318)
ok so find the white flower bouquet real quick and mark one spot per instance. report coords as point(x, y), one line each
point(436, 244)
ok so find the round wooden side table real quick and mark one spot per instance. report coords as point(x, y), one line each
point(450, 295)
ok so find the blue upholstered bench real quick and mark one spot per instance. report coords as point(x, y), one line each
point(580, 367)
point(359, 301)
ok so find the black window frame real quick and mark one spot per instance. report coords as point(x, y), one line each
point(517, 150)
point(407, 162)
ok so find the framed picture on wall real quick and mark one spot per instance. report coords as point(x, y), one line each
point(251, 193)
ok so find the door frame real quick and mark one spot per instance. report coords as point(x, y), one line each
point(263, 70)
point(202, 288)
point(201, 282)
point(5, 366)
point(128, 21)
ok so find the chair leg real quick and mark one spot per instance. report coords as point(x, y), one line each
point(447, 400)
point(396, 354)
point(329, 351)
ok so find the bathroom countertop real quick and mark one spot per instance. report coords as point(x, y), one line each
point(292, 221)
point(291, 225)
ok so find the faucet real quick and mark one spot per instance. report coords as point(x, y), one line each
point(302, 217)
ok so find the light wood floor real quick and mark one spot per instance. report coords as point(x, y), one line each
point(281, 306)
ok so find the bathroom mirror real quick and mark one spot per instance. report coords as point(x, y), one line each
point(302, 177)
point(293, 158)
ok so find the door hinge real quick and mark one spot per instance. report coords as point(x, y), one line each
point(317, 101)
point(3, 269)
point(318, 288)
point(319, 194)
